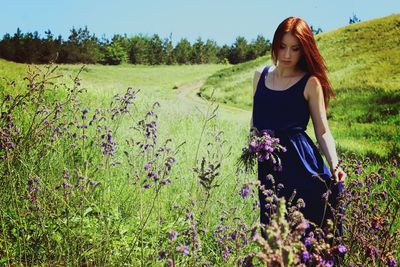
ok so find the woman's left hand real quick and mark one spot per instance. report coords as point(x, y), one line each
point(339, 175)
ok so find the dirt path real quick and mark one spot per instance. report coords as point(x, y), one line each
point(188, 93)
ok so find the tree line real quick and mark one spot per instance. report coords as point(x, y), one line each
point(84, 47)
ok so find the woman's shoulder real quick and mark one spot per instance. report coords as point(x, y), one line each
point(313, 82)
point(313, 86)
point(260, 69)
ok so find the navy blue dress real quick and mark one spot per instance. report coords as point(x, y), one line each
point(287, 114)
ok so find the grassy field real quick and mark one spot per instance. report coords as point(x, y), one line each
point(362, 60)
point(89, 195)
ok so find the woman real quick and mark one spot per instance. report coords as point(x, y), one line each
point(285, 96)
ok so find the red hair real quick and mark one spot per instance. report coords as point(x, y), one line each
point(311, 60)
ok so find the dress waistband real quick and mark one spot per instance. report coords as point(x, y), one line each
point(280, 132)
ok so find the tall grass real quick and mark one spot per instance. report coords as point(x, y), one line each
point(113, 177)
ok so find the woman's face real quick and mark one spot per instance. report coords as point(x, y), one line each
point(290, 51)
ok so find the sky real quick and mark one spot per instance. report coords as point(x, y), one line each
point(220, 20)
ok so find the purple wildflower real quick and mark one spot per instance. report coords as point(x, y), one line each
point(66, 174)
point(327, 263)
point(108, 144)
point(342, 249)
point(153, 175)
point(226, 252)
point(308, 242)
point(305, 255)
point(245, 191)
point(172, 234)
point(253, 147)
point(84, 112)
point(391, 262)
point(147, 166)
point(170, 263)
point(183, 249)
point(371, 251)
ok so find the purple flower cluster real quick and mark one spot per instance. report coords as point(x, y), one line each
point(231, 235)
point(172, 235)
point(369, 228)
point(183, 249)
point(261, 148)
point(245, 191)
point(121, 104)
point(9, 133)
point(108, 144)
point(78, 182)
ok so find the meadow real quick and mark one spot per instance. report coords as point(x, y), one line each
point(122, 165)
point(362, 61)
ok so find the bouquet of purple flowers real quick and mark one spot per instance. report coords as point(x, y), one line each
point(261, 147)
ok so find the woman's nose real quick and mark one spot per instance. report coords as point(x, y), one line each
point(287, 53)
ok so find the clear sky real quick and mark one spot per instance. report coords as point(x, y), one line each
point(219, 20)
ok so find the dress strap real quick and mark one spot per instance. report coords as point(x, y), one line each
point(265, 72)
point(263, 75)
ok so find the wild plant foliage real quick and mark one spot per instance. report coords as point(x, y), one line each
point(84, 185)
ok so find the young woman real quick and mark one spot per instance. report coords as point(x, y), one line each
point(285, 96)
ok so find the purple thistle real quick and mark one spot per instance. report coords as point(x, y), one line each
point(253, 147)
point(162, 254)
point(327, 263)
point(66, 174)
point(165, 181)
point(342, 249)
point(305, 256)
point(245, 191)
point(183, 249)
point(172, 234)
point(108, 144)
point(391, 262)
point(147, 166)
point(153, 175)
point(371, 251)
point(226, 252)
point(308, 242)
point(84, 112)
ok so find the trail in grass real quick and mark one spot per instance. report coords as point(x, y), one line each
point(188, 94)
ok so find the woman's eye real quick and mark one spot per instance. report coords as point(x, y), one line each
point(296, 49)
point(282, 46)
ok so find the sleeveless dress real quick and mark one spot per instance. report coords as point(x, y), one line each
point(286, 114)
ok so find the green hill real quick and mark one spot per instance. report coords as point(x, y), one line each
point(363, 61)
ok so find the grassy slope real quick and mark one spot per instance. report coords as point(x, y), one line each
point(363, 60)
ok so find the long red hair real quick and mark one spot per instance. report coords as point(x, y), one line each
point(311, 60)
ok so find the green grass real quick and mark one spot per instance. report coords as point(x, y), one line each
point(118, 199)
point(100, 226)
point(363, 61)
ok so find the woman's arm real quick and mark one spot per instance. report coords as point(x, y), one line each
point(315, 97)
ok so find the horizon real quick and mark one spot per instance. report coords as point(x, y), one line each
point(215, 21)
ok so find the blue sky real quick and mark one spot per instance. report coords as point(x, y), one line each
point(220, 20)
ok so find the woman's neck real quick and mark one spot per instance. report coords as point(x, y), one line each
point(285, 72)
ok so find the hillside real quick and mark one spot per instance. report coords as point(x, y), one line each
point(363, 61)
